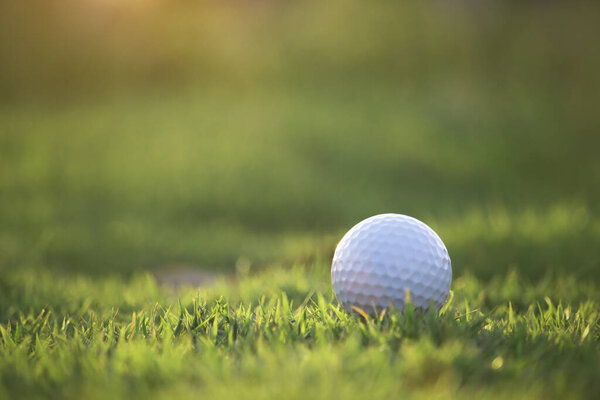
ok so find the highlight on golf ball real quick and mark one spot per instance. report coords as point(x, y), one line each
point(387, 257)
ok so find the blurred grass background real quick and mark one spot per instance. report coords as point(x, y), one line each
point(140, 134)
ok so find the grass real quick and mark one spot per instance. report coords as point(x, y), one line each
point(280, 182)
point(281, 333)
point(133, 138)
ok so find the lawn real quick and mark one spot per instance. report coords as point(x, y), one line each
point(245, 148)
point(281, 333)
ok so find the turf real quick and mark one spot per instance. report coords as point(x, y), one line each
point(282, 334)
point(247, 146)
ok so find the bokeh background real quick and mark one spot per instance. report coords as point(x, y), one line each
point(139, 135)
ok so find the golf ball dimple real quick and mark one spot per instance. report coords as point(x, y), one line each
point(383, 257)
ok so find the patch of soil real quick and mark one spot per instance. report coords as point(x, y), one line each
point(180, 276)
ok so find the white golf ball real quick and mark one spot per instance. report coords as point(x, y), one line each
point(384, 258)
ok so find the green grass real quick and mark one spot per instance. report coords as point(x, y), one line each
point(281, 333)
point(135, 138)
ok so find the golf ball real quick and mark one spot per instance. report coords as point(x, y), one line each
point(387, 257)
